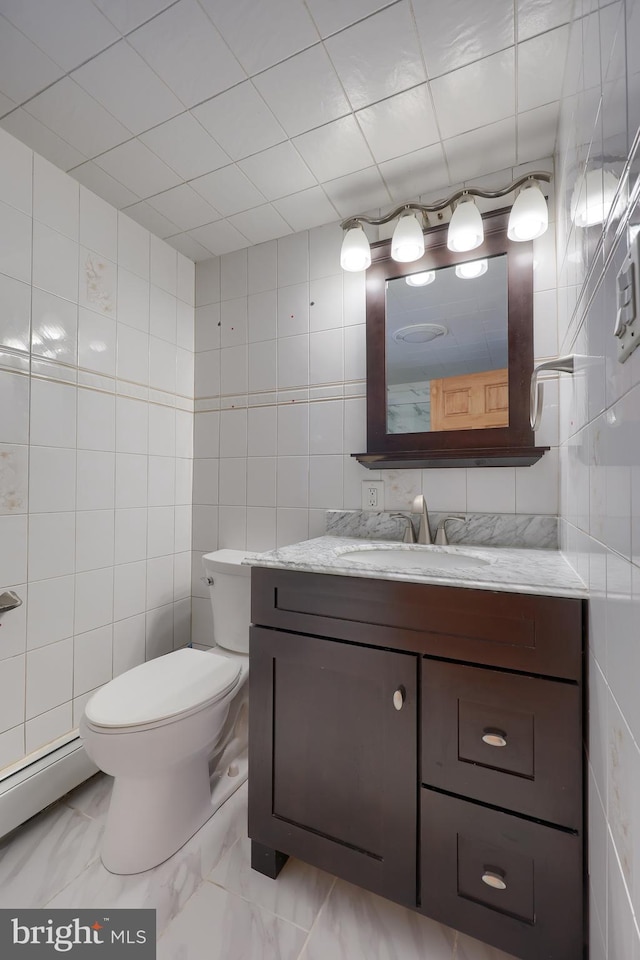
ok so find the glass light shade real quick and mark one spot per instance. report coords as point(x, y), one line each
point(595, 199)
point(407, 243)
point(465, 228)
point(472, 269)
point(529, 217)
point(421, 279)
point(355, 253)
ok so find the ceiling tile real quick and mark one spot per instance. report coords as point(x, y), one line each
point(536, 16)
point(358, 192)
point(475, 95)
point(6, 105)
point(69, 31)
point(186, 50)
point(185, 146)
point(261, 224)
point(541, 64)
point(334, 15)
point(415, 173)
point(458, 32)
point(378, 57)
point(126, 15)
point(94, 177)
point(44, 141)
point(228, 190)
point(256, 130)
point(335, 149)
point(189, 247)
point(303, 92)
point(138, 168)
point(481, 151)
point(536, 131)
point(184, 207)
point(76, 117)
point(123, 83)
point(308, 209)
point(262, 34)
point(24, 69)
point(221, 237)
point(400, 124)
point(278, 171)
point(149, 218)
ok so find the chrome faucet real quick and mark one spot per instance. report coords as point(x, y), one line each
point(441, 533)
point(420, 506)
point(409, 533)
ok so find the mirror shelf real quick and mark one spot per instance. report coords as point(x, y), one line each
point(487, 351)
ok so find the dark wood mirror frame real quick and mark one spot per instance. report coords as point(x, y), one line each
point(497, 447)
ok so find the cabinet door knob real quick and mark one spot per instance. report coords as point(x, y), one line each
point(398, 698)
point(494, 737)
point(494, 878)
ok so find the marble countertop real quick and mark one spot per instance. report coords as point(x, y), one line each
point(544, 572)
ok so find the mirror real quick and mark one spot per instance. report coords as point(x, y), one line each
point(449, 362)
point(446, 348)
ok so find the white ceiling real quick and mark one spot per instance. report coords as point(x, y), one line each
point(222, 123)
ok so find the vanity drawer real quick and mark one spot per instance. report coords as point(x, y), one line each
point(521, 632)
point(511, 882)
point(506, 739)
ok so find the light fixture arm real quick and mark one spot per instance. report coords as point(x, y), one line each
point(426, 208)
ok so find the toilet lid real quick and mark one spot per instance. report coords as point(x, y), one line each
point(163, 688)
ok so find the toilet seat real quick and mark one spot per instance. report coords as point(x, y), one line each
point(159, 690)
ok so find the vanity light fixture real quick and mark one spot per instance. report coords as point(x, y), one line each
point(471, 269)
point(421, 279)
point(528, 219)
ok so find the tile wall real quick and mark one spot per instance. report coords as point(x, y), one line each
point(96, 427)
point(280, 401)
point(600, 446)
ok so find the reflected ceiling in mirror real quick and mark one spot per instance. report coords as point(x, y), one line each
point(446, 348)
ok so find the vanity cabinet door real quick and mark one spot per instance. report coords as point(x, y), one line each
point(333, 758)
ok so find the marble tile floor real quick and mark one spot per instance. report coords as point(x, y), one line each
point(209, 902)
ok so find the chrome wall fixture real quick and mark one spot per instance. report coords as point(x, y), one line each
point(566, 364)
point(529, 218)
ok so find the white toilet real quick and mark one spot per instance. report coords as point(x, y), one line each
point(173, 731)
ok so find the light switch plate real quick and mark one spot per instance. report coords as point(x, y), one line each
point(627, 326)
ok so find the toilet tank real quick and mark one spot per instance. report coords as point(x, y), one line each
point(230, 592)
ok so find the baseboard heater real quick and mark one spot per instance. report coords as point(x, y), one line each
point(41, 780)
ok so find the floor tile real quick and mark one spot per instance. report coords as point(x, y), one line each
point(91, 797)
point(221, 926)
point(42, 856)
point(167, 887)
point(357, 924)
point(297, 895)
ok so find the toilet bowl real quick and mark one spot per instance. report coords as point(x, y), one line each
point(173, 732)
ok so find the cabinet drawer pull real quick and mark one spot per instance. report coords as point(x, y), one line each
point(494, 878)
point(398, 698)
point(494, 738)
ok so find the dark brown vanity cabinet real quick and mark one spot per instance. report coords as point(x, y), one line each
point(424, 742)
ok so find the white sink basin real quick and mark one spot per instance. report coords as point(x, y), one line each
point(422, 557)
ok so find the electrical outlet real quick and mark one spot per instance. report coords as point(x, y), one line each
point(373, 494)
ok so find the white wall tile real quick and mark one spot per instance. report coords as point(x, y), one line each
point(16, 312)
point(132, 426)
point(326, 427)
point(262, 366)
point(52, 545)
point(13, 556)
point(326, 352)
point(54, 328)
point(162, 365)
point(55, 262)
point(92, 658)
point(293, 429)
point(233, 481)
point(129, 590)
point(233, 433)
point(133, 246)
point(184, 480)
point(49, 677)
point(205, 528)
point(56, 198)
point(208, 282)
point(130, 535)
point(491, 490)
point(51, 605)
point(16, 161)
point(15, 244)
point(293, 482)
point(12, 745)
point(234, 370)
point(94, 600)
point(159, 631)
point(53, 414)
point(14, 408)
point(133, 300)
point(14, 628)
point(182, 531)
point(94, 539)
point(293, 361)
point(162, 431)
point(14, 478)
point(130, 480)
point(96, 420)
point(162, 481)
point(263, 315)
point(96, 342)
point(98, 224)
point(48, 726)
point(128, 644)
point(325, 481)
point(12, 697)
point(293, 310)
point(52, 479)
point(262, 431)
point(159, 582)
point(261, 528)
point(261, 482)
point(132, 354)
point(206, 434)
point(292, 526)
point(162, 314)
point(160, 531)
point(207, 373)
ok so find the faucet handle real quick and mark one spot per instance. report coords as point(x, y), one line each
point(409, 533)
point(441, 533)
